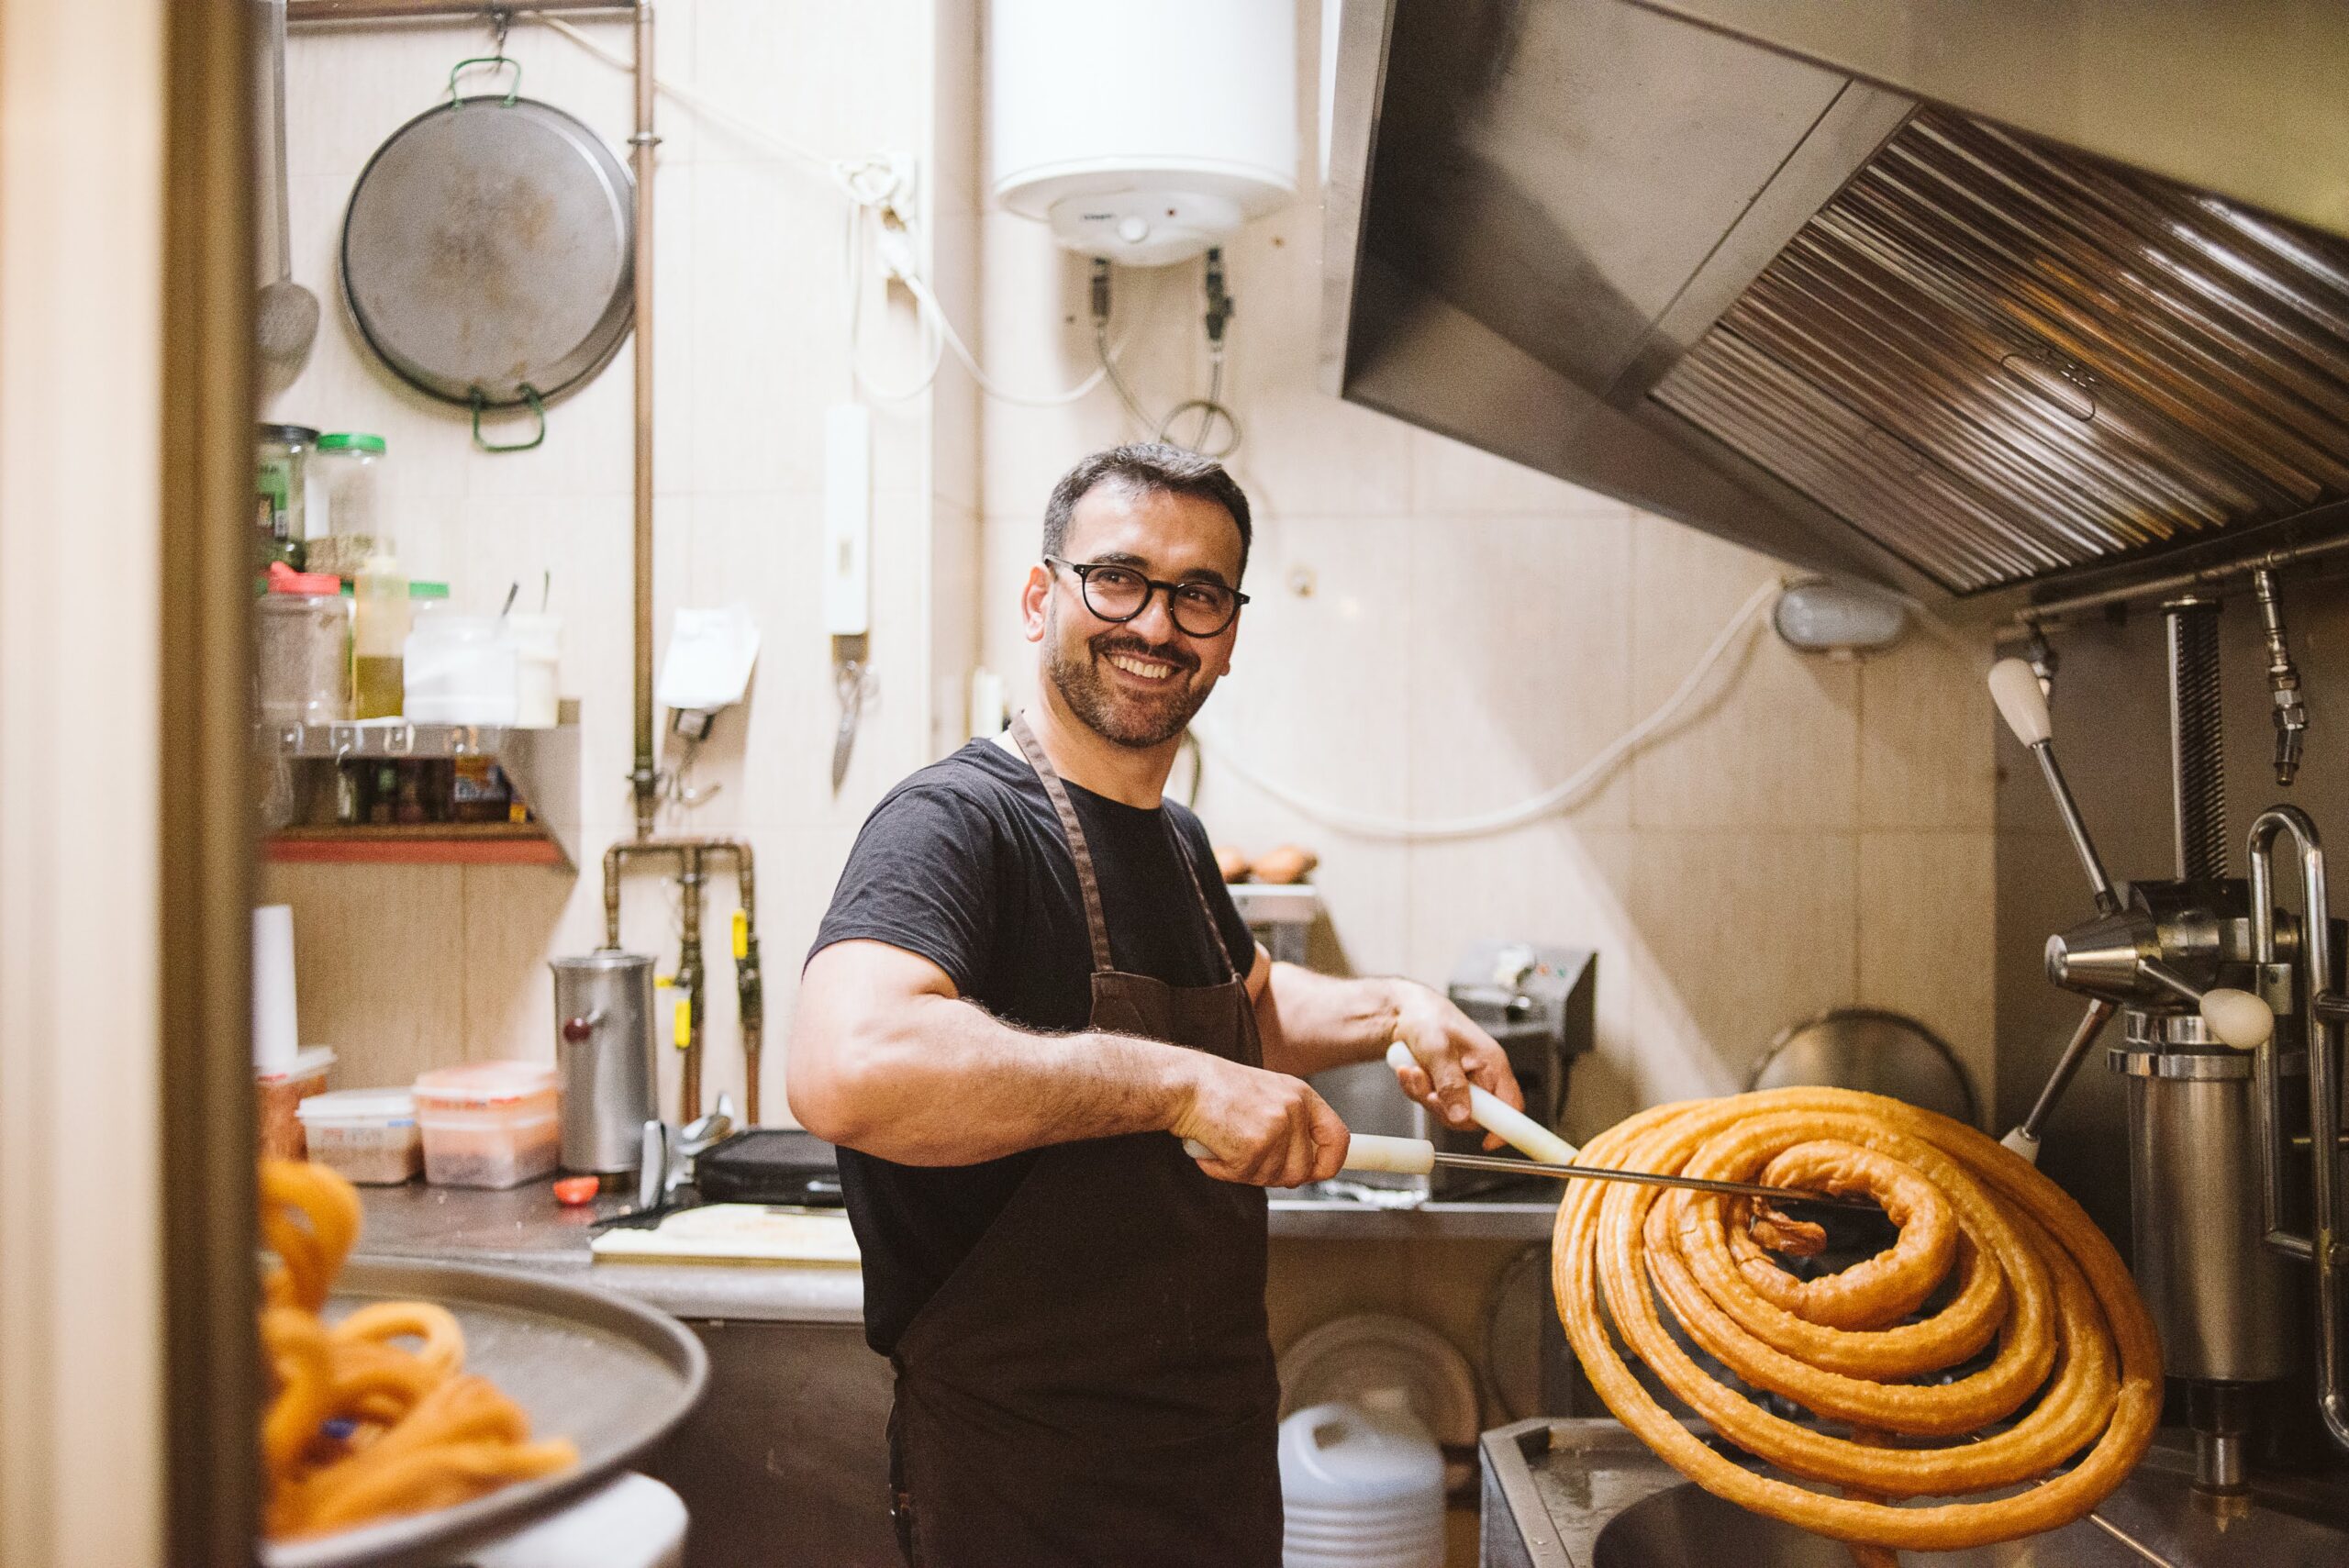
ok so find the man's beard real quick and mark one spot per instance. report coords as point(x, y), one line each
point(1126, 719)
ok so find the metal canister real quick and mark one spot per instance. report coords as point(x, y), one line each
point(2218, 1296)
point(603, 1011)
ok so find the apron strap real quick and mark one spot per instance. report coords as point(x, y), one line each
point(1096, 926)
point(1215, 926)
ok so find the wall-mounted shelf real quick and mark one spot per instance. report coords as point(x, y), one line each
point(541, 765)
point(437, 843)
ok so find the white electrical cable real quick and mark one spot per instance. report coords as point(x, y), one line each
point(1361, 825)
point(871, 183)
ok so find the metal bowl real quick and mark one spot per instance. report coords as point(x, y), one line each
point(1874, 1050)
point(613, 1376)
point(489, 249)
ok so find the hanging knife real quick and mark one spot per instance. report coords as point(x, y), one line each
point(849, 675)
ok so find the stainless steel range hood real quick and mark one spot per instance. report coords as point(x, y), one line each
point(1811, 283)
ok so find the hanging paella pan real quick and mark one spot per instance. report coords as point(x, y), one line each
point(487, 252)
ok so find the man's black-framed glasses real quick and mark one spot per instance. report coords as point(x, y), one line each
point(1116, 594)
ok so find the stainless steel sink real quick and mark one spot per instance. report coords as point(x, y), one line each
point(1567, 1493)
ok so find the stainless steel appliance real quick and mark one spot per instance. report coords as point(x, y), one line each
point(2210, 1123)
point(604, 1043)
point(1572, 1494)
point(1967, 299)
point(1538, 1002)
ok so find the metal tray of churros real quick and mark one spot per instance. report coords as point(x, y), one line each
point(613, 1376)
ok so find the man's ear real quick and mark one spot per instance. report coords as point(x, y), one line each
point(1033, 598)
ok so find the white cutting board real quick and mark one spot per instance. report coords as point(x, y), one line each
point(737, 1233)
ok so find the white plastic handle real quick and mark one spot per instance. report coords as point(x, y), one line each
point(2239, 1018)
point(1400, 1156)
point(1365, 1152)
point(1497, 1117)
point(2015, 688)
point(2023, 1143)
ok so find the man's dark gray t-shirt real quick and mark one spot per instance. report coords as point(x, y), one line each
point(965, 864)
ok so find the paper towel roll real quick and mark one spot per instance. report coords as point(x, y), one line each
point(277, 1031)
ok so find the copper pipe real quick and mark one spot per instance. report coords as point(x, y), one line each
point(613, 858)
point(642, 776)
point(750, 987)
point(690, 854)
point(689, 981)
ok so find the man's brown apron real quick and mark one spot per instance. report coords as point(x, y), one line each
point(1093, 1383)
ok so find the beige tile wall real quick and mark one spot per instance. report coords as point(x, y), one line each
point(403, 968)
point(1437, 633)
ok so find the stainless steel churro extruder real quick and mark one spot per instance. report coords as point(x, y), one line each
point(2231, 1014)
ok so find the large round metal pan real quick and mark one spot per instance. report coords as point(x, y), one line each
point(488, 247)
point(609, 1375)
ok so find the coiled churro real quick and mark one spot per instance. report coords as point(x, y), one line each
point(2031, 1271)
point(360, 1428)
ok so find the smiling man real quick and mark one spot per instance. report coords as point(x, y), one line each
point(1030, 987)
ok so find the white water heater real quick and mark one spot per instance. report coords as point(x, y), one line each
point(1144, 130)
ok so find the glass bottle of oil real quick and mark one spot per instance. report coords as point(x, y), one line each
point(378, 637)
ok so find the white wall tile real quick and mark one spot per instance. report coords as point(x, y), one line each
point(1454, 477)
point(1740, 933)
point(1519, 666)
point(1775, 742)
point(1315, 702)
point(1555, 883)
point(1926, 723)
point(1926, 942)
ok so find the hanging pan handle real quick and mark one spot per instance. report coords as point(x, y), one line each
point(513, 94)
point(538, 407)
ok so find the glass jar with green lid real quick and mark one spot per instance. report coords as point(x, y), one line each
point(349, 470)
point(280, 482)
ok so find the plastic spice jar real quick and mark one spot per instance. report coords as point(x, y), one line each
point(304, 653)
point(347, 471)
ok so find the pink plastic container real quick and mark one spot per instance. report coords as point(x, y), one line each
point(488, 1124)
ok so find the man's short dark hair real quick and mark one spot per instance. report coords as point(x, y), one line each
point(1143, 467)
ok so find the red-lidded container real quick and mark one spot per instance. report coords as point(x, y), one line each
point(488, 1124)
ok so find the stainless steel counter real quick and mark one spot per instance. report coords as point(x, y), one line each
point(524, 1227)
point(1328, 1219)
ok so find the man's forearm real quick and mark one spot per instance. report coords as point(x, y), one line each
point(945, 1083)
point(1312, 1021)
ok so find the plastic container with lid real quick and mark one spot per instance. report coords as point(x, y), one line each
point(303, 657)
point(281, 1092)
point(367, 1135)
point(537, 652)
point(1361, 1486)
point(488, 1124)
point(459, 670)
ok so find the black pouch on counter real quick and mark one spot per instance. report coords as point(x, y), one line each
point(769, 1164)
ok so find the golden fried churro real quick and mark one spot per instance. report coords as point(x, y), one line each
point(2027, 1267)
point(360, 1428)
